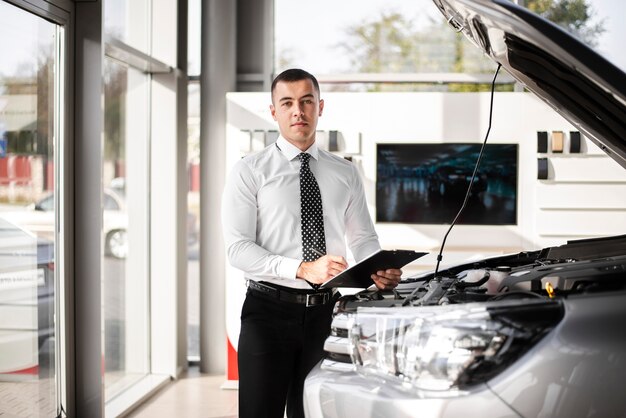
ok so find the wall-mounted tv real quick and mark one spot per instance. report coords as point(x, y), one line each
point(426, 183)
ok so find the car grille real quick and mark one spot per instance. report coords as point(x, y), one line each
point(338, 346)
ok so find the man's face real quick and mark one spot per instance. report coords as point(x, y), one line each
point(296, 107)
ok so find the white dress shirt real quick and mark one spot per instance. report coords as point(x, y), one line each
point(261, 212)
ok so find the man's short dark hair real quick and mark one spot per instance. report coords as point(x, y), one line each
point(295, 74)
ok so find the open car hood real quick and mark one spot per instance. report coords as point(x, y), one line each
point(577, 82)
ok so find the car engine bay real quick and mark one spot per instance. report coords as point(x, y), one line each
point(578, 267)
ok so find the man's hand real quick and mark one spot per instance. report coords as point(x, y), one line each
point(322, 269)
point(387, 279)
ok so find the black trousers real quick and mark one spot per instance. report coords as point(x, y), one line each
point(279, 344)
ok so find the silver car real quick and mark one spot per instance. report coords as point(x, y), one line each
point(534, 334)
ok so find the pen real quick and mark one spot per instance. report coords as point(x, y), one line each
point(318, 252)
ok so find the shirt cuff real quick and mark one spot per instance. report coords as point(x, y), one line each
point(289, 267)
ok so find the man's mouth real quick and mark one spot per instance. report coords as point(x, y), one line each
point(299, 124)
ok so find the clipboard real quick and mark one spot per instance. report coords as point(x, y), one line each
point(359, 274)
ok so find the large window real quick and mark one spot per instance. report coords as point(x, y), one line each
point(398, 38)
point(29, 205)
point(350, 42)
point(193, 194)
point(138, 178)
point(125, 218)
point(193, 223)
point(141, 219)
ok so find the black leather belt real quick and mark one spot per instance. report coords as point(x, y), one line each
point(303, 297)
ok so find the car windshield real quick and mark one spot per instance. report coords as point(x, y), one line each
point(47, 204)
point(110, 203)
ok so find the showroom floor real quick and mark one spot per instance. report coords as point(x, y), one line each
point(193, 395)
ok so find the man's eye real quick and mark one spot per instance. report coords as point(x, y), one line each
point(308, 101)
point(286, 104)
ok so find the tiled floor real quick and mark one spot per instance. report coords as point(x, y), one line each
point(193, 395)
point(31, 397)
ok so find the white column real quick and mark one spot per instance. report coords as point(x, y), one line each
point(217, 78)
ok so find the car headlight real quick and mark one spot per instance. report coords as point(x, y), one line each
point(445, 347)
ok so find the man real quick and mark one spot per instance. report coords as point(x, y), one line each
point(288, 242)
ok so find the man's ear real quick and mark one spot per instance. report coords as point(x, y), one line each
point(273, 111)
point(321, 107)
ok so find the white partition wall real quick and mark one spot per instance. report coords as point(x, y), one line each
point(583, 196)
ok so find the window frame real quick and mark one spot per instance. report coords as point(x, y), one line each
point(58, 12)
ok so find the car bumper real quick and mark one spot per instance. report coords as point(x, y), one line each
point(331, 394)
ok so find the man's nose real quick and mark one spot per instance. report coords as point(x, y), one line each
point(297, 110)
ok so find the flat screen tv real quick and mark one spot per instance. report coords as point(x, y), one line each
point(426, 183)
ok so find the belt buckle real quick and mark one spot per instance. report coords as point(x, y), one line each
point(310, 298)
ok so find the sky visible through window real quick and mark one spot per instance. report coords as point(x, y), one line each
point(309, 34)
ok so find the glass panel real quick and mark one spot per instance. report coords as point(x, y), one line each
point(129, 22)
point(399, 36)
point(394, 36)
point(28, 76)
point(125, 227)
point(193, 37)
point(598, 23)
point(193, 223)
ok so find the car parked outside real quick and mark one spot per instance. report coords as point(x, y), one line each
point(38, 218)
point(535, 334)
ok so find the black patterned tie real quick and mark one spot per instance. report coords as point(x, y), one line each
point(312, 221)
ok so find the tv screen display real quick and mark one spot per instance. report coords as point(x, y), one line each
point(427, 183)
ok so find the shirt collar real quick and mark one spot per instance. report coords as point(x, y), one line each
point(290, 151)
